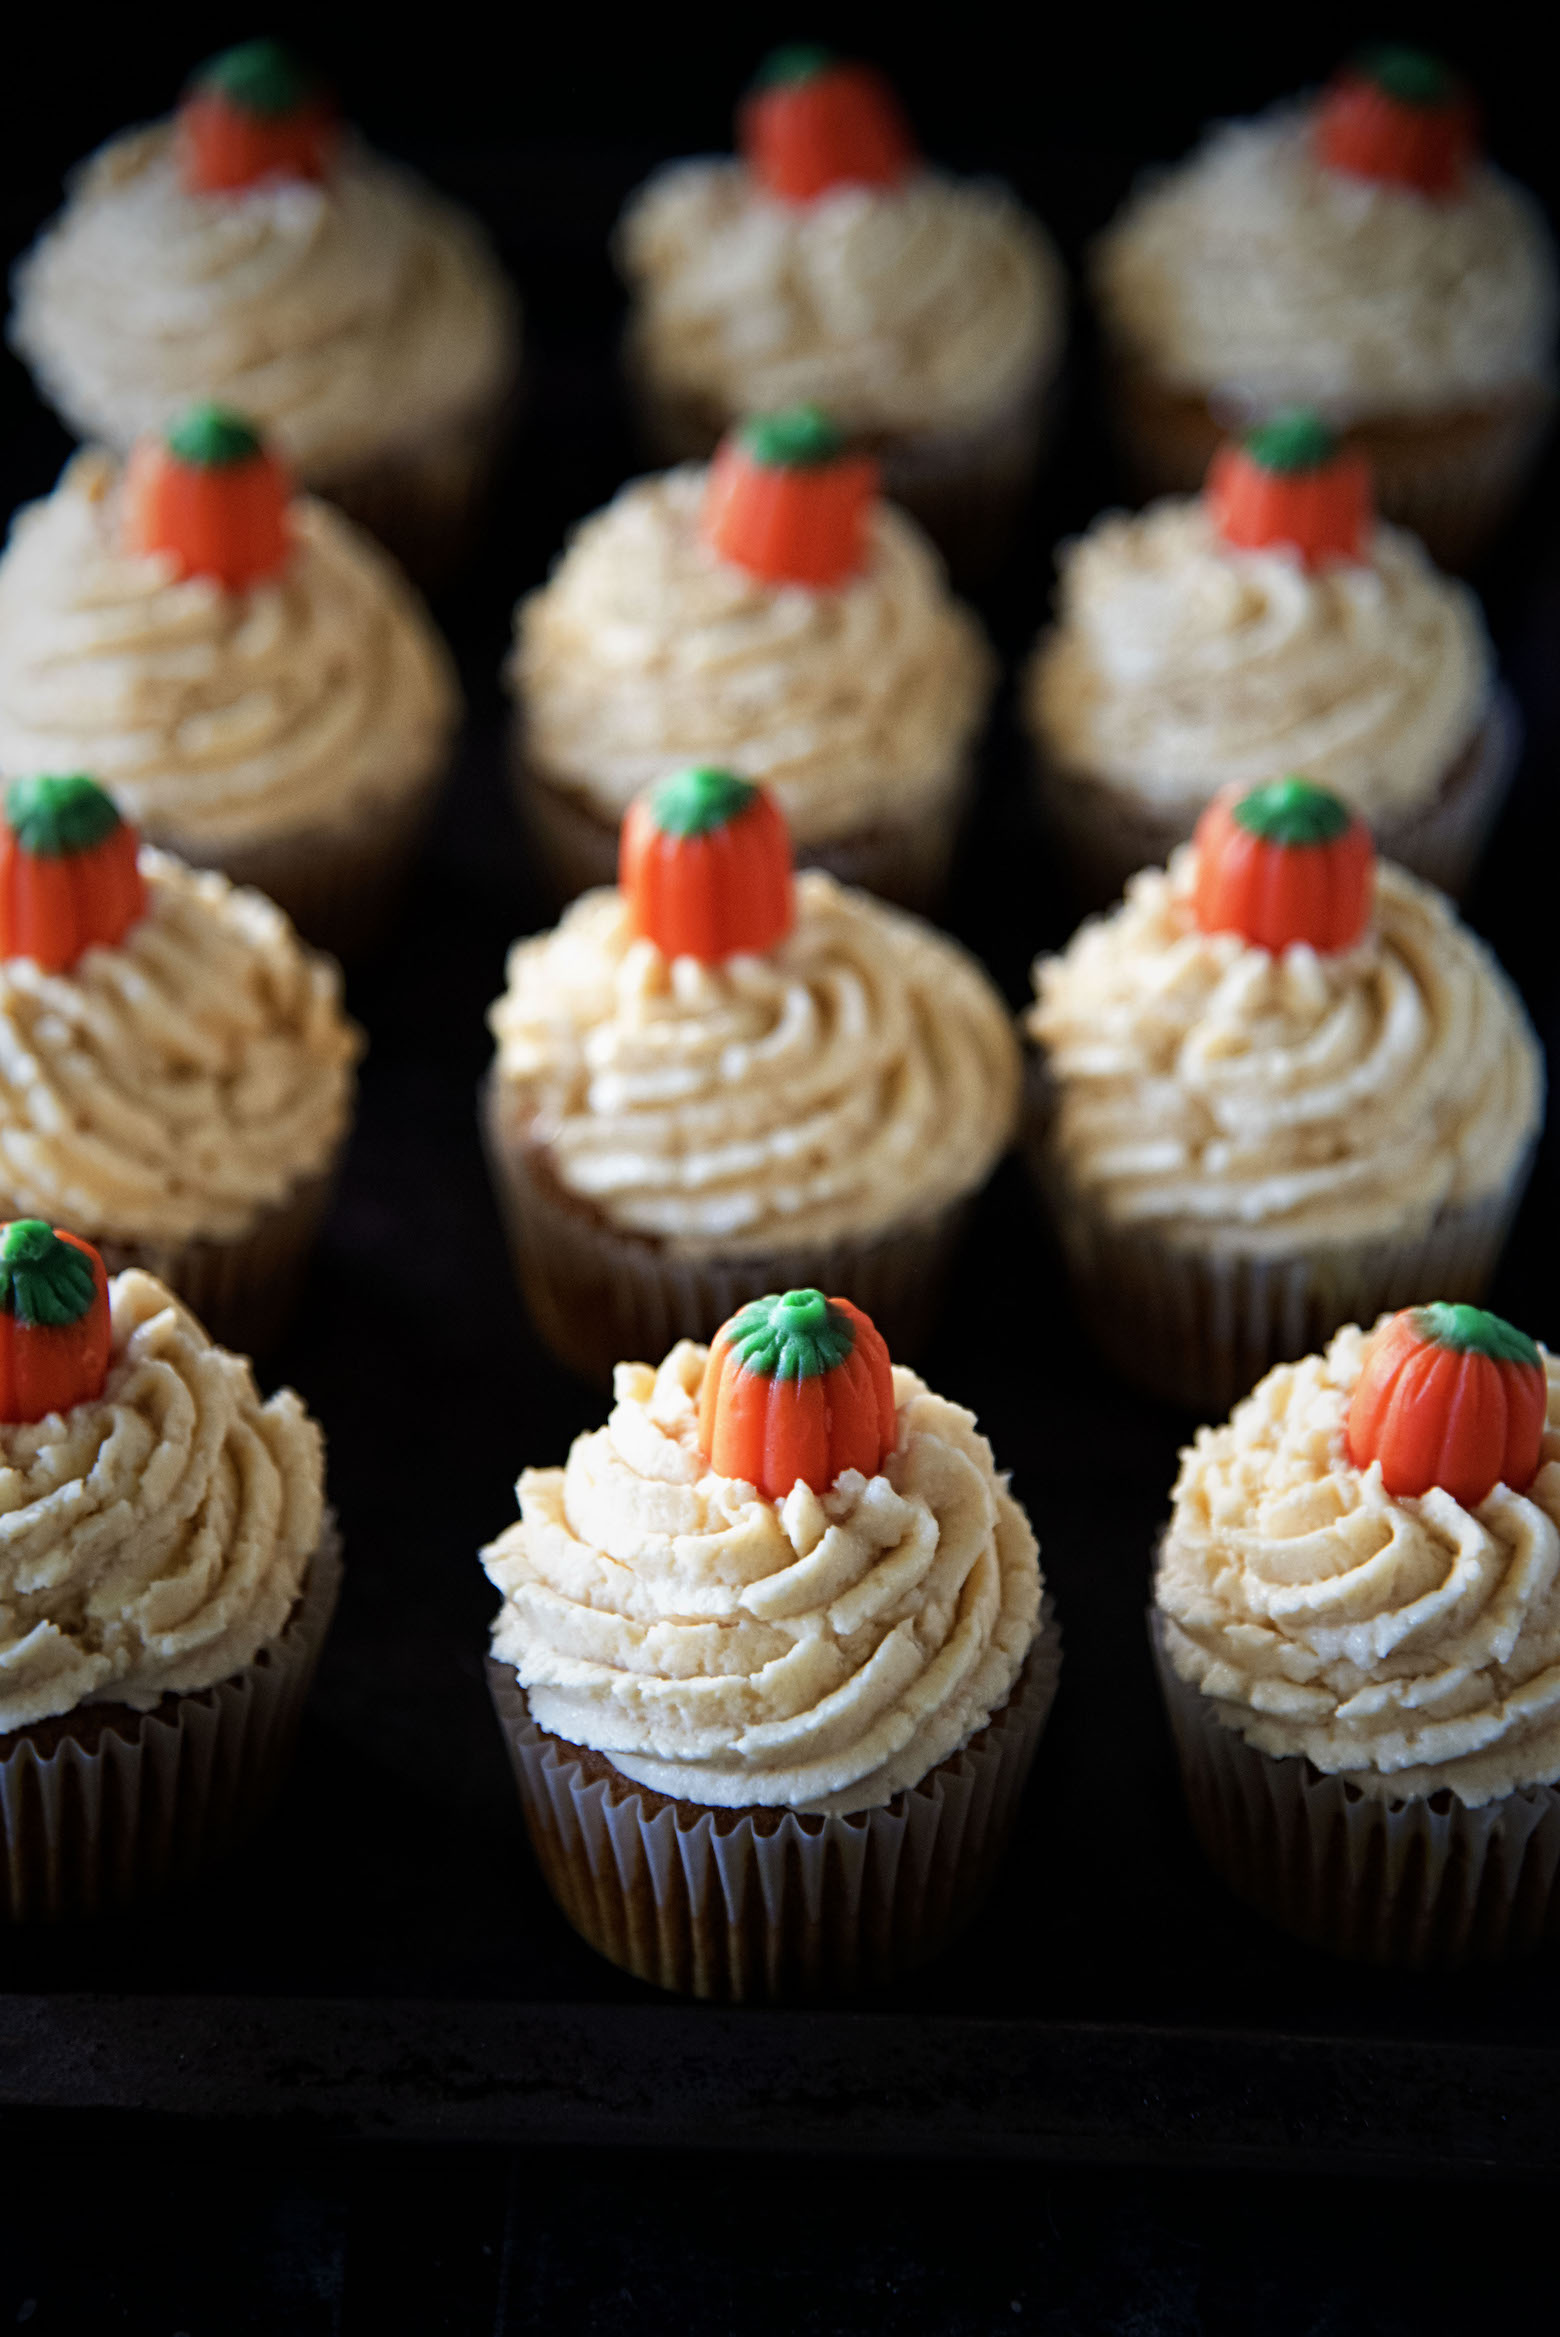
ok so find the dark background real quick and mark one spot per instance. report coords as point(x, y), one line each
point(396, 1867)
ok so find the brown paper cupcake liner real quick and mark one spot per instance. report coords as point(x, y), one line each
point(135, 1801)
point(1106, 832)
point(245, 1291)
point(599, 1297)
point(425, 497)
point(760, 1905)
point(577, 847)
point(1426, 1883)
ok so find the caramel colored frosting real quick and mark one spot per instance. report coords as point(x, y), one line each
point(858, 704)
point(859, 1076)
point(153, 1540)
point(344, 318)
point(1256, 276)
point(218, 719)
point(1233, 1099)
point(1179, 665)
point(1412, 1645)
point(930, 306)
point(181, 1085)
point(817, 1653)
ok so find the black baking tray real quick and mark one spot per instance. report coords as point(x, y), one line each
point(381, 1959)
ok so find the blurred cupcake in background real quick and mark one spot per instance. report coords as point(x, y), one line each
point(1277, 1089)
point(1355, 253)
point(245, 670)
point(827, 263)
point(710, 1084)
point(770, 614)
point(1271, 624)
point(253, 250)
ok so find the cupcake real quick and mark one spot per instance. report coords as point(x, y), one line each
point(1269, 625)
point(1357, 1624)
point(772, 1661)
point(252, 251)
point(829, 264)
point(167, 1575)
point(176, 1073)
point(707, 1086)
point(1357, 254)
point(245, 669)
point(1279, 1088)
point(769, 615)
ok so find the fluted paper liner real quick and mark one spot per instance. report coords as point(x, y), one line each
point(1424, 1883)
point(425, 496)
point(92, 1827)
point(243, 1292)
point(756, 1906)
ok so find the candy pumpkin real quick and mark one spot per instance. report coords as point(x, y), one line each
point(210, 494)
point(1453, 1397)
point(1284, 863)
point(704, 863)
point(1290, 482)
point(70, 875)
point(55, 1332)
point(812, 121)
point(797, 1389)
point(253, 113)
point(788, 503)
point(1402, 118)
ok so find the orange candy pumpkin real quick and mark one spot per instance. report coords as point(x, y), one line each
point(812, 121)
point(1284, 863)
point(704, 862)
point(212, 495)
point(1290, 482)
point(70, 874)
point(55, 1331)
point(1400, 117)
point(1453, 1397)
point(797, 1389)
point(253, 113)
point(788, 503)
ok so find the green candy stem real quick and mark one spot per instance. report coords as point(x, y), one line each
point(796, 1336)
point(801, 438)
point(211, 437)
point(693, 802)
point(1469, 1330)
point(1412, 76)
point(259, 77)
point(796, 62)
point(1292, 811)
point(1295, 440)
point(45, 1283)
point(53, 817)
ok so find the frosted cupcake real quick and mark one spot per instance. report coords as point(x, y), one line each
point(828, 263)
point(1357, 1622)
point(252, 251)
point(708, 1086)
point(1279, 1088)
point(1354, 253)
point(243, 667)
point(1269, 625)
point(176, 1072)
point(770, 615)
point(772, 1661)
point(167, 1576)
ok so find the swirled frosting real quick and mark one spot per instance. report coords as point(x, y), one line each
point(180, 1085)
point(217, 718)
point(646, 650)
point(861, 1074)
point(819, 1653)
point(1179, 665)
point(153, 1540)
point(923, 307)
point(1413, 1645)
point(1255, 275)
point(1236, 1099)
point(345, 318)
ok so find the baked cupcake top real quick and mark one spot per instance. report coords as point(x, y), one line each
point(1232, 1095)
point(818, 1073)
point(219, 717)
point(348, 311)
point(155, 1534)
point(1257, 273)
point(1410, 1640)
point(176, 1079)
point(813, 1649)
point(648, 647)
